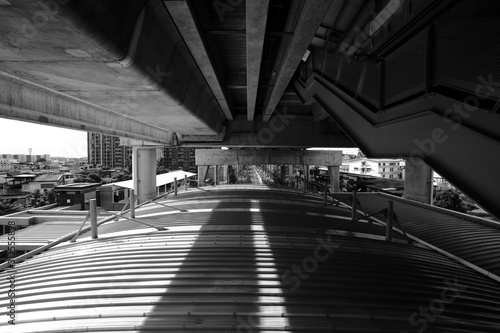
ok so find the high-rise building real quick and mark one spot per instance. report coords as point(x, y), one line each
point(105, 150)
point(180, 158)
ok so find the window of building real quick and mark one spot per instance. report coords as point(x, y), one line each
point(118, 195)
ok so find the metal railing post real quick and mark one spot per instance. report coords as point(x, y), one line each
point(354, 202)
point(132, 203)
point(325, 188)
point(388, 230)
point(93, 218)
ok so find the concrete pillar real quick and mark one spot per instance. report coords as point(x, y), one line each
point(201, 181)
point(304, 177)
point(291, 178)
point(307, 176)
point(202, 174)
point(334, 172)
point(223, 174)
point(418, 181)
point(144, 172)
point(216, 174)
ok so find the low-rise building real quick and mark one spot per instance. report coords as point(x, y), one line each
point(76, 195)
point(42, 182)
point(386, 168)
point(7, 164)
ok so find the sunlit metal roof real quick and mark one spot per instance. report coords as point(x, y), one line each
point(247, 260)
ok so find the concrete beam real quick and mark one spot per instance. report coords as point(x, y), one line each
point(256, 12)
point(267, 156)
point(139, 143)
point(143, 69)
point(185, 22)
point(23, 100)
point(312, 16)
point(282, 131)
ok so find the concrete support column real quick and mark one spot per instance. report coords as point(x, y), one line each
point(307, 177)
point(418, 181)
point(304, 177)
point(224, 174)
point(202, 174)
point(334, 172)
point(216, 174)
point(291, 177)
point(144, 172)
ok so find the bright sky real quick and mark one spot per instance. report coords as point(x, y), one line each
point(17, 136)
point(350, 151)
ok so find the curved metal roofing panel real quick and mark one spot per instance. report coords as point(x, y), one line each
point(472, 239)
point(234, 274)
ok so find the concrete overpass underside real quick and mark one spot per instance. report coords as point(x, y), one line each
point(409, 79)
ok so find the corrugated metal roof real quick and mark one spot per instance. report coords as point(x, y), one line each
point(38, 235)
point(472, 239)
point(47, 178)
point(248, 271)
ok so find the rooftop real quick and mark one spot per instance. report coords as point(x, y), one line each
point(77, 186)
point(259, 259)
point(47, 178)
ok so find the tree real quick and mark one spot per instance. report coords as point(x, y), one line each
point(360, 154)
point(95, 178)
point(452, 199)
point(232, 175)
point(51, 196)
point(6, 207)
point(162, 166)
point(121, 178)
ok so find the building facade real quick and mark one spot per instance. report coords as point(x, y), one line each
point(180, 158)
point(105, 150)
point(386, 168)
